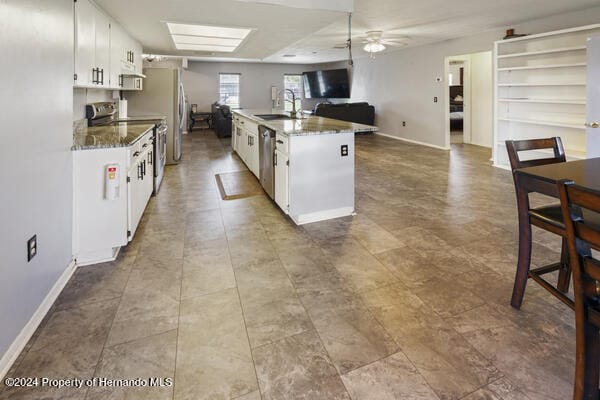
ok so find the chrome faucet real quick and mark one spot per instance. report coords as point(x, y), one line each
point(294, 112)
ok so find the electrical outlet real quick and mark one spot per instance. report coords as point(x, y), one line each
point(344, 150)
point(435, 99)
point(32, 247)
point(403, 123)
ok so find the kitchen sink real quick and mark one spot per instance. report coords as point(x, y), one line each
point(269, 117)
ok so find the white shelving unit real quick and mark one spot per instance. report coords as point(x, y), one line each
point(540, 89)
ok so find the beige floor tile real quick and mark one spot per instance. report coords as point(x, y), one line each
point(271, 306)
point(213, 353)
point(391, 378)
point(297, 367)
point(149, 363)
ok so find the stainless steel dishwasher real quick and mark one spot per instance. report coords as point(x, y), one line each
point(266, 140)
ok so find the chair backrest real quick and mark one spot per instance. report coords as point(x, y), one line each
point(515, 146)
point(582, 235)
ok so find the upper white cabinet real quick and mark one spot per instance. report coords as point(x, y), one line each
point(540, 89)
point(104, 52)
point(88, 25)
point(118, 36)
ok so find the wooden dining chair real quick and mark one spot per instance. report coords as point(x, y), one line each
point(548, 218)
point(582, 235)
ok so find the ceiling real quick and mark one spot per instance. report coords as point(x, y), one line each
point(310, 34)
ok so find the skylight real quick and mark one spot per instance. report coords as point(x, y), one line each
point(207, 38)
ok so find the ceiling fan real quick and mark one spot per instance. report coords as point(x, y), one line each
point(376, 41)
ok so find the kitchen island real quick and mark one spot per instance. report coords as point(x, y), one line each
point(313, 161)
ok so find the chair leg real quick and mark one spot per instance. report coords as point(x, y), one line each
point(564, 274)
point(524, 260)
point(587, 365)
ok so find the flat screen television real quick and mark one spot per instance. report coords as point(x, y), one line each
point(327, 84)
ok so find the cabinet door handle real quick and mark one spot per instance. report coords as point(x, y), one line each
point(150, 156)
point(139, 170)
point(121, 80)
point(94, 75)
point(101, 76)
point(137, 153)
point(143, 169)
point(279, 141)
point(144, 145)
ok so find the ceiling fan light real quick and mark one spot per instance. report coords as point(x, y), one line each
point(374, 47)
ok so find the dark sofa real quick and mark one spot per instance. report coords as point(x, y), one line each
point(361, 113)
point(221, 120)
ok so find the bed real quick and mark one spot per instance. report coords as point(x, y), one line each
point(456, 108)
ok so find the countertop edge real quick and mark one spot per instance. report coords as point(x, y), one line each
point(268, 124)
point(112, 146)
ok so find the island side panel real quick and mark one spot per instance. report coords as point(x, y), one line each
point(321, 179)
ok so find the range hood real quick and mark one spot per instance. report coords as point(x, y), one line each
point(133, 75)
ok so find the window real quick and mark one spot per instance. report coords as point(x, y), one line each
point(294, 83)
point(229, 90)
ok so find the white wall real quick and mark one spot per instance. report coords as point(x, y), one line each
point(402, 84)
point(482, 98)
point(201, 82)
point(35, 158)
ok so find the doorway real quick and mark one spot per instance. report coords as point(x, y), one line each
point(469, 99)
point(456, 98)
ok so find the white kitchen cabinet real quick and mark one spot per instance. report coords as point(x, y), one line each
point(282, 188)
point(252, 155)
point(234, 133)
point(245, 142)
point(117, 39)
point(92, 46)
point(102, 57)
point(101, 224)
point(140, 182)
point(137, 57)
point(85, 42)
point(104, 52)
point(243, 148)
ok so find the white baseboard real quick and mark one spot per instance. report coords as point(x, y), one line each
point(502, 166)
point(322, 215)
point(20, 341)
point(413, 141)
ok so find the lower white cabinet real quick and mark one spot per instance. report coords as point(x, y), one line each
point(252, 156)
point(103, 223)
point(282, 187)
point(234, 133)
point(139, 189)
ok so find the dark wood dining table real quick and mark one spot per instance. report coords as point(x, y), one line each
point(544, 179)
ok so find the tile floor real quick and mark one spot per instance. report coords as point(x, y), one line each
point(409, 299)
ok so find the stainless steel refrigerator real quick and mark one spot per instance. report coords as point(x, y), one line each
point(162, 94)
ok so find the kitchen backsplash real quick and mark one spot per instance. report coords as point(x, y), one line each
point(82, 96)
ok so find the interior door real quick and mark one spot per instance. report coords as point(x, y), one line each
point(593, 98)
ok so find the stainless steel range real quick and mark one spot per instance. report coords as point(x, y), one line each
point(103, 113)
